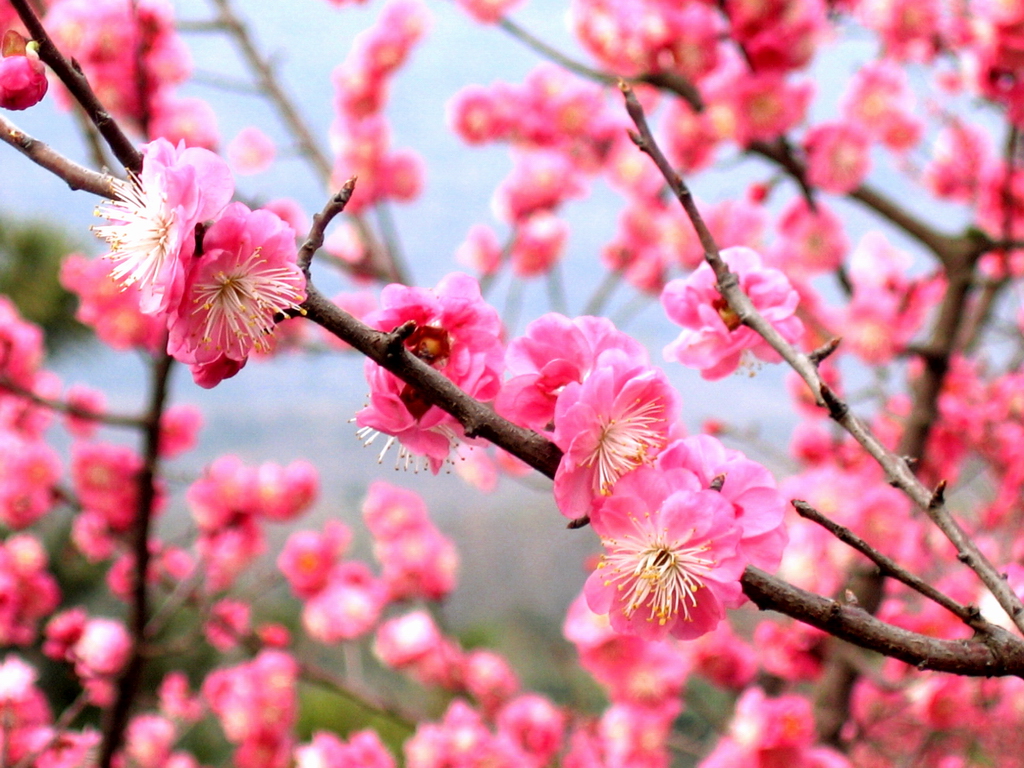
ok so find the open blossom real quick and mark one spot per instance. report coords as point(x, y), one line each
point(152, 222)
point(247, 275)
point(672, 560)
point(615, 421)
point(457, 333)
point(713, 338)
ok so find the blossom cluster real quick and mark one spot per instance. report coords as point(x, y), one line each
point(217, 296)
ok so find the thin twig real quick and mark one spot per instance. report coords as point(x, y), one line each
point(76, 176)
point(116, 718)
point(967, 614)
point(315, 239)
point(110, 419)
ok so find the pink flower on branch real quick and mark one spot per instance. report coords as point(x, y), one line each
point(457, 333)
point(152, 222)
point(231, 297)
point(672, 560)
point(615, 421)
point(714, 340)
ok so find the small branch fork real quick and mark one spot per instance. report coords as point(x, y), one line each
point(896, 467)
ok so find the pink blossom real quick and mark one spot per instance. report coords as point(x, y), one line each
point(477, 115)
point(247, 275)
point(489, 678)
point(758, 506)
point(178, 429)
point(636, 736)
point(879, 98)
point(480, 250)
point(540, 181)
point(153, 220)
point(672, 561)
point(457, 333)
point(149, 740)
point(176, 701)
point(308, 557)
point(488, 11)
point(22, 75)
point(391, 512)
point(109, 309)
point(29, 471)
point(713, 339)
point(105, 478)
point(539, 243)
point(227, 625)
point(347, 607)
point(257, 703)
point(810, 241)
point(188, 121)
point(285, 493)
point(403, 174)
point(554, 352)
point(405, 640)
point(30, 592)
point(535, 724)
point(99, 654)
point(418, 564)
point(837, 156)
point(251, 151)
point(615, 421)
point(765, 105)
point(960, 149)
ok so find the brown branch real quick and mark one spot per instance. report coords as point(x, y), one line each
point(997, 653)
point(967, 614)
point(476, 418)
point(110, 419)
point(116, 719)
point(76, 176)
point(315, 239)
point(122, 147)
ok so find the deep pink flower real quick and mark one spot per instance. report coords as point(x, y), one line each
point(22, 75)
point(749, 487)
point(713, 338)
point(153, 220)
point(457, 333)
point(672, 559)
point(615, 421)
point(247, 275)
point(837, 156)
point(554, 352)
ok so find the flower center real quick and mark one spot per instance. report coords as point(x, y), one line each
point(625, 442)
point(139, 234)
point(659, 575)
point(240, 305)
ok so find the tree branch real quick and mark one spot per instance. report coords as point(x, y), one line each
point(116, 719)
point(122, 147)
point(76, 176)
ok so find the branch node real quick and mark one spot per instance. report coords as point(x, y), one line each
point(837, 409)
point(938, 495)
point(394, 342)
point(579, 522)
point(717, 482)
point(824, 350)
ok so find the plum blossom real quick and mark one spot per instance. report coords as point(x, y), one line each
point(246, 277)
point(22, 75)
point(672, 560)
point(615, 421)
point(714, 339)
point(154, 216)
point(455, 332)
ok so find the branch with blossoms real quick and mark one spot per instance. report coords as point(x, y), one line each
point(688, 528)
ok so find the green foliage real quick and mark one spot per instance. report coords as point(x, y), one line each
point(30, 258)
